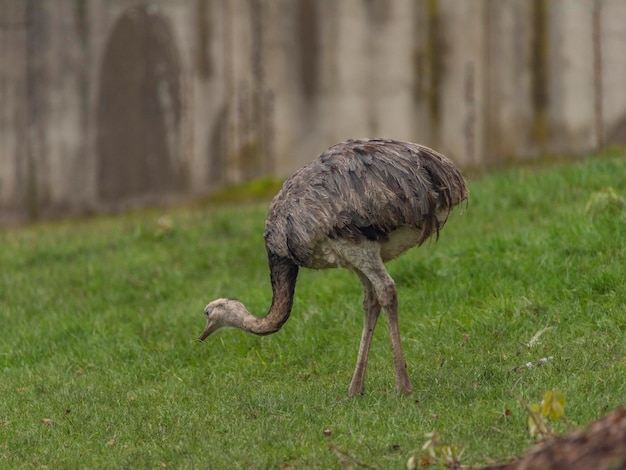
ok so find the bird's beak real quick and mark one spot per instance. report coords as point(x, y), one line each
point(204, 335)
point(208, 329)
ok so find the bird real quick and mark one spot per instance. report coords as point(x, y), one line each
point(358, 205)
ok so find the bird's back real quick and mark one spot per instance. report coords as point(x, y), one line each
point(362, 190)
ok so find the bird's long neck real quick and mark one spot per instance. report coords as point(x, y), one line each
point(284, 273)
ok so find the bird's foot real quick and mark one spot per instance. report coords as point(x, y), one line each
point(403, 386)
point(356, 388)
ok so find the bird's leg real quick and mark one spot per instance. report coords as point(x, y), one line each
point(385, 289)
point(403, 383)
point(371, 308)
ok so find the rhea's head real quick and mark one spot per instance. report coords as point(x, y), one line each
point(221, 313)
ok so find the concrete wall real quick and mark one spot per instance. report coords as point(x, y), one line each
point(106, 104)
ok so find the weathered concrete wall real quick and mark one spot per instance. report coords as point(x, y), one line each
point(461, 122)
point(571, 72)
point(610, 24)
point(514, 98)
point(13, 111)
point(106, 104)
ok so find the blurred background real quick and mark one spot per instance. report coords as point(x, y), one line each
point(106, 104)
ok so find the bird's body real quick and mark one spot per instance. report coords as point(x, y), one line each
point(358, 205)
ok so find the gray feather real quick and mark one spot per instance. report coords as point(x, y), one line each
point(362, 190)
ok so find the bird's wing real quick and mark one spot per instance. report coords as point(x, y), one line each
point(362, 190)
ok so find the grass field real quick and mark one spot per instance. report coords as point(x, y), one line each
point(99, 316)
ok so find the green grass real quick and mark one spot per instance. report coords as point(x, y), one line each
point(99, 318)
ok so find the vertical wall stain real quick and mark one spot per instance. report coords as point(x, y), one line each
point(471, 117)
point(598, 92)
point(139, 108)
point(539, 58)
point(36, 153)
point(435, 60)
point(378, 11)
point(203, 27)
point(217, 147)
point(309, 45)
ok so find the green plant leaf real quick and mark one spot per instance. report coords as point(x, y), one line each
point(553, 404)
point(536, 423)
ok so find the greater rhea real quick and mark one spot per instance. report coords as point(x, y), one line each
point(358, 205)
